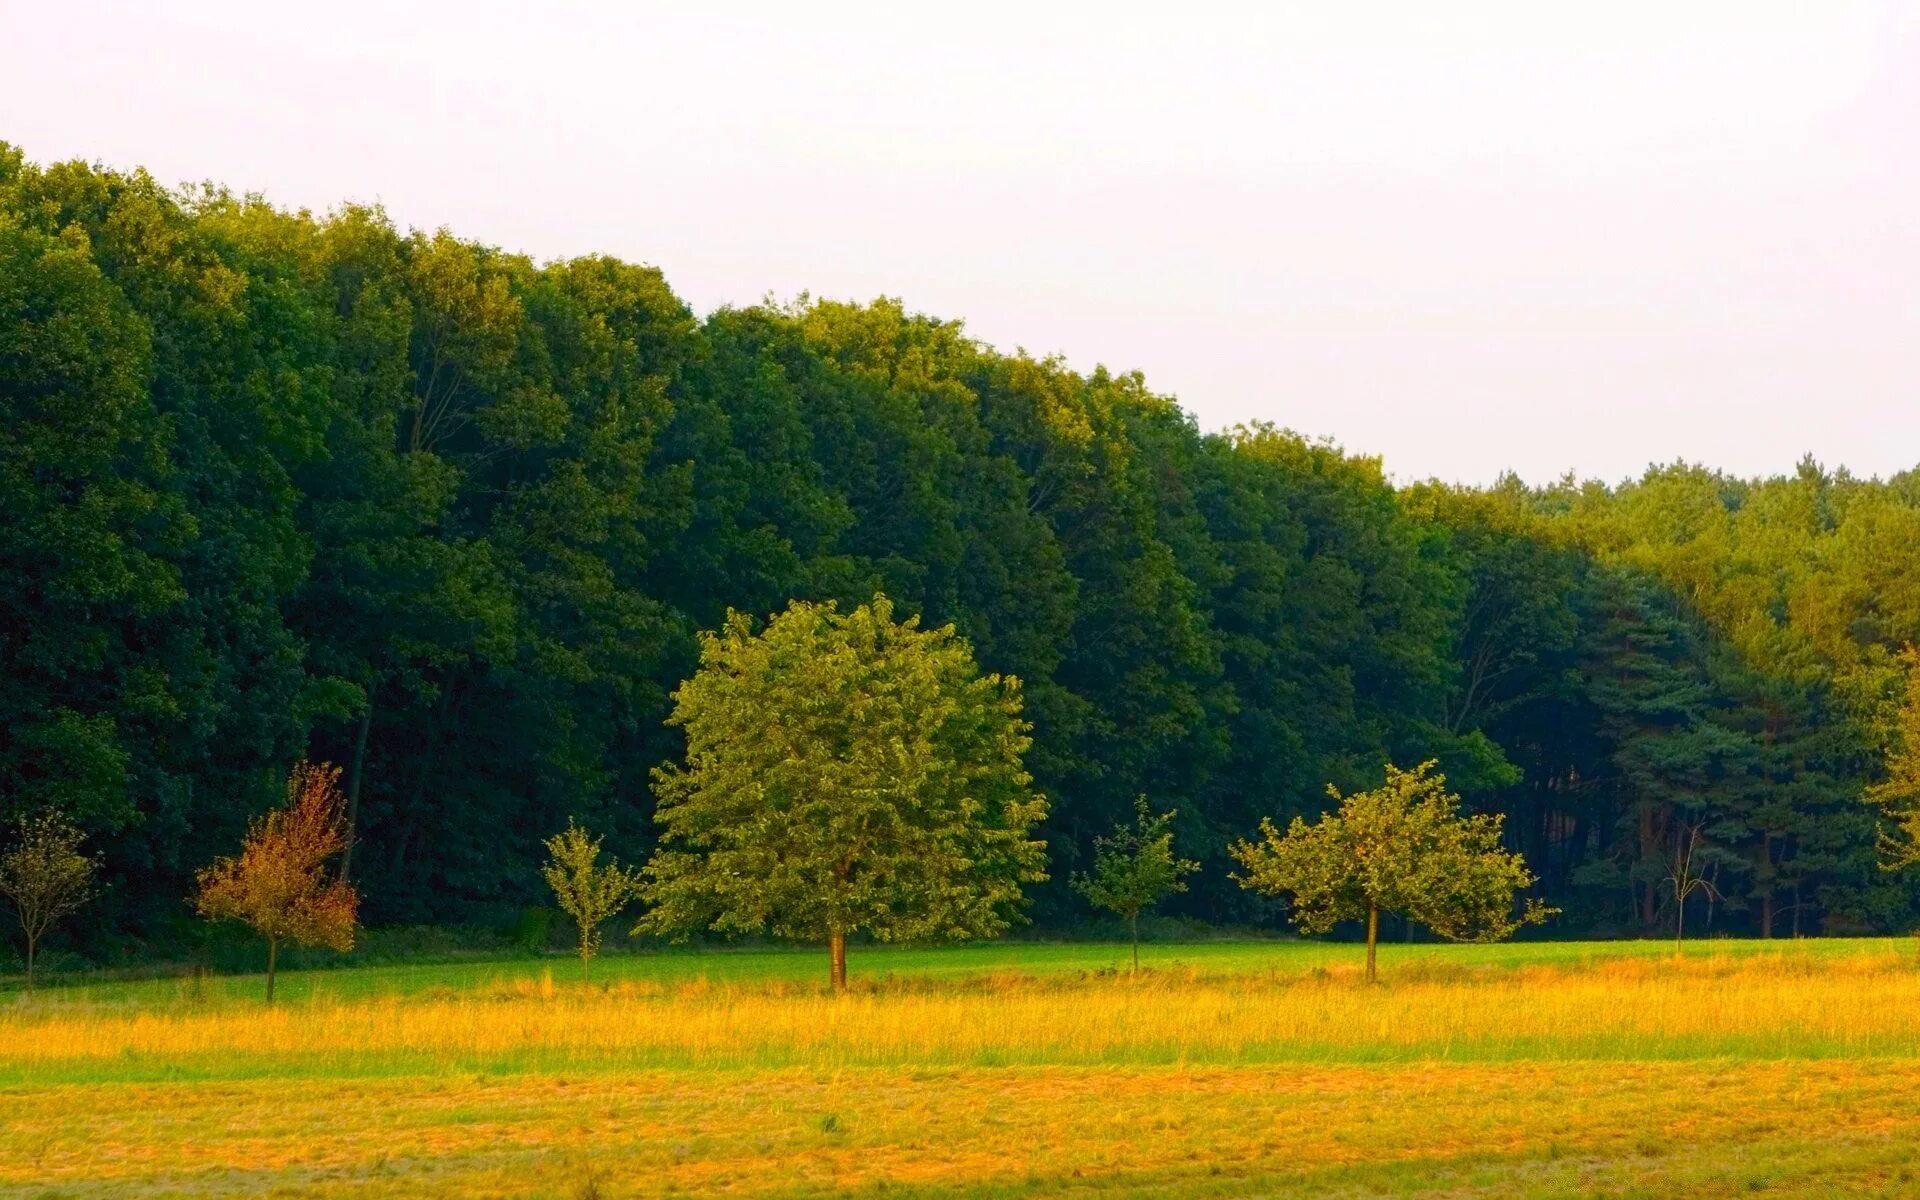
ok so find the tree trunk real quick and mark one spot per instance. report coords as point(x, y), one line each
point(1679, 923)
point(1373, 940)
point(837, 954)
point(1133, 923)
point(353, 788)
point(273, 955)
point(32, 941)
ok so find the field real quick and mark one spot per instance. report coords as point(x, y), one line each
point(1554, 1069)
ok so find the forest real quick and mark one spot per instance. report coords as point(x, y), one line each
point(279, 485)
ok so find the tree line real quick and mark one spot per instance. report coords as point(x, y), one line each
point(282, 486)
point(846, 775)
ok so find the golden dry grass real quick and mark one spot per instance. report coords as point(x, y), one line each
point(1775, 1072)
point(1463, 1129)
point(1752, 1006)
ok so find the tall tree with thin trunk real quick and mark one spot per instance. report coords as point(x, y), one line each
point(845, 773)
point(45, 877)
point(1402, 848)
point(1134, 868)
point(279, 884)
point(589, 892)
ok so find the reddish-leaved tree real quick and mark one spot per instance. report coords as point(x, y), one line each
point(279, 883)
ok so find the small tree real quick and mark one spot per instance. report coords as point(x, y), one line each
point(278, 884)
point(1687, 876)
point(587, 892)
point(45, 877)
point(1134, 869)
point(1401, 848)
point(844, 772)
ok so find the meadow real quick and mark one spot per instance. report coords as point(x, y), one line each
point(1532, 1069)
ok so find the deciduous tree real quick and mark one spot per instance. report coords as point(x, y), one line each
point(1134, 868)
point(844, 773)
point(1687, 875)
point(279, 884)
point(1897, 792)
point(588, 892)
point(45, 877)
point(1400, 848)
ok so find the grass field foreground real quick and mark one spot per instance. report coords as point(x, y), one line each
point(1791, 1068)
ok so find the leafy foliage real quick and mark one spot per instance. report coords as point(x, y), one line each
point(1134, 868)
point(1401, 848)
point(844, 773)
point(283, 485)
point(586, 891)
point(45, 877)
point(1897, 794)
point(278, 883)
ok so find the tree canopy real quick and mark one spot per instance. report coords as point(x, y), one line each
point(278, 884)
point(845, 773)
point(1401, 848)
point(1134, 868)
point(283, 484)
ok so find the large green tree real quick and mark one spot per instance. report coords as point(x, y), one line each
point(845, 773)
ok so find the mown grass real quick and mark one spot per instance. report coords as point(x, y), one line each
point(1542, 1069)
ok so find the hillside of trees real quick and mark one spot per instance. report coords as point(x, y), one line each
point(276, 485)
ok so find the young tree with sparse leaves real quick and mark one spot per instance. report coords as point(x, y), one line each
point(845, 772)
point(45, 877)
point(279, 883)
point(1135, 868)
point(1401, 848)
point(587, 892)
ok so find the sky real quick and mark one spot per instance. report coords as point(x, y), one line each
point(1466, 237)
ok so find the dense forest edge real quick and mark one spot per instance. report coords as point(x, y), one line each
point(278, 485)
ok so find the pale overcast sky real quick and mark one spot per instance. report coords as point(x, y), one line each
point(1466, 237)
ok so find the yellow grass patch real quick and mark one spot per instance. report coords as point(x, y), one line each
point(1712, 1075)
point(1514, 1128)
point(1753, 1006)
